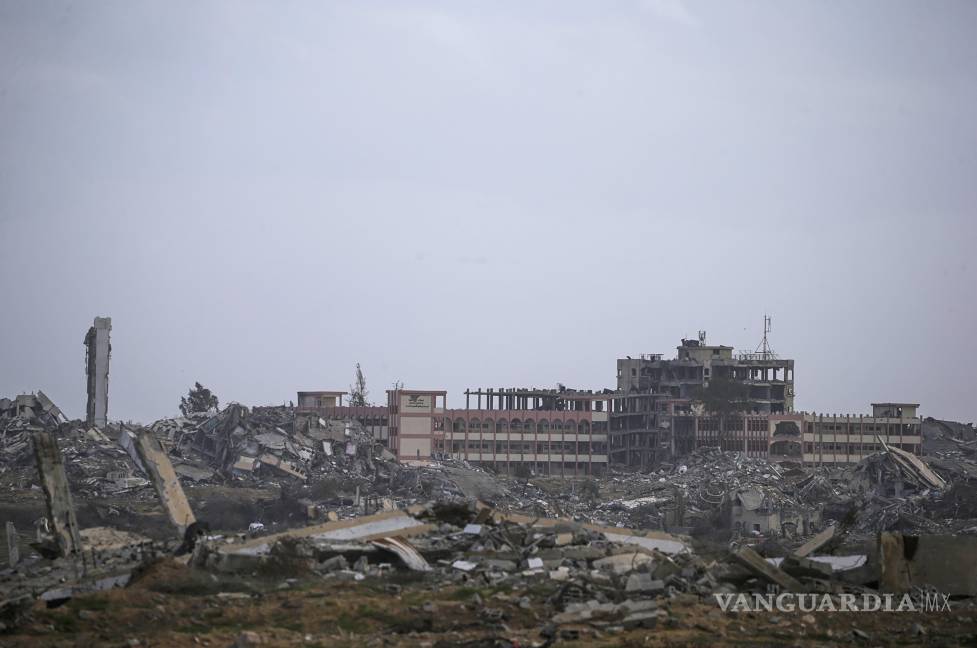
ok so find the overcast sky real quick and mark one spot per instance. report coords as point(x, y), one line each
point(461, 194)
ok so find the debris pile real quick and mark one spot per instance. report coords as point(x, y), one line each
point(265, 444)
point(574, 546)
point(711, 488)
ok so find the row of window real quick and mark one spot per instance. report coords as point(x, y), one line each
point(855, 427)
point(458, 425)
point(854, 448)
point(527, 447)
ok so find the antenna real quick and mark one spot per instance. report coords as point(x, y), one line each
point(764, 349)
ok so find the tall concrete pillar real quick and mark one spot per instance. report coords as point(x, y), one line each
point(98, 349)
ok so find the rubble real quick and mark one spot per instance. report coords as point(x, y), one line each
point(614, 554)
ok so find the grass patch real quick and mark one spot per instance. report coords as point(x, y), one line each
point(94, 603)
point(464, 593)
point(65, 623)
point(198, 583)
point(351, 623)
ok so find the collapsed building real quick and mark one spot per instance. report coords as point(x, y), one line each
point(580, 548)
point(800, 501)
point(657, 414)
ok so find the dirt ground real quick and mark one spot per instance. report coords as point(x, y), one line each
point(171, 605)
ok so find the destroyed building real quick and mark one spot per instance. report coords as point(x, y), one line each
point(545, 431)
point(410, 425)
point(572, 432)
point(770, 379)
point(651, 391)
point(542, 431)
point(98, 350)
point(655, 415)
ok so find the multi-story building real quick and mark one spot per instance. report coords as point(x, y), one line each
point(802, 437)
point(410, 425)
point(316, 405)
point(417, 423)
point(545, 431)
point(655, 415)
point(770, 380)
point(652, 391)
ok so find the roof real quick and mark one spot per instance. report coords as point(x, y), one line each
point(899, 404)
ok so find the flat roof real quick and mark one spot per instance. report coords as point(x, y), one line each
point(901, 404)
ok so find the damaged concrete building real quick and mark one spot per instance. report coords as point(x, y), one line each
point(411, 424)
point(770, 379)
point(316, 408)
point(98, 350)
point(656, 414)
point(551, 431)
point(547, 431)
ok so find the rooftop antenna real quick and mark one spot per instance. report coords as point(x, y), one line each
point(764, 349)
point(702, 337)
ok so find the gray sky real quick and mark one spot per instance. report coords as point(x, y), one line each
point(495, 194)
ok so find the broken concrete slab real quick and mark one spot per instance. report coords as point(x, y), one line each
point(806, 568)
point(54, 483)
point(647, 539)
point(622, 563)
point(760, 567)
point(644, 583)
point(148, 454)
point(371, 527)
point(815, 543)
point(13, 545)
point(407, 553)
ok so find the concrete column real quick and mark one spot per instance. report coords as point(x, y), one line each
point(820, 424)
point(54, 483)
point(13, 545)
point(848, 438)
point(98, 351)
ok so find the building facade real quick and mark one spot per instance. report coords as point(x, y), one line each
point(807, 438)
point(654, 415)
point(540, 431)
